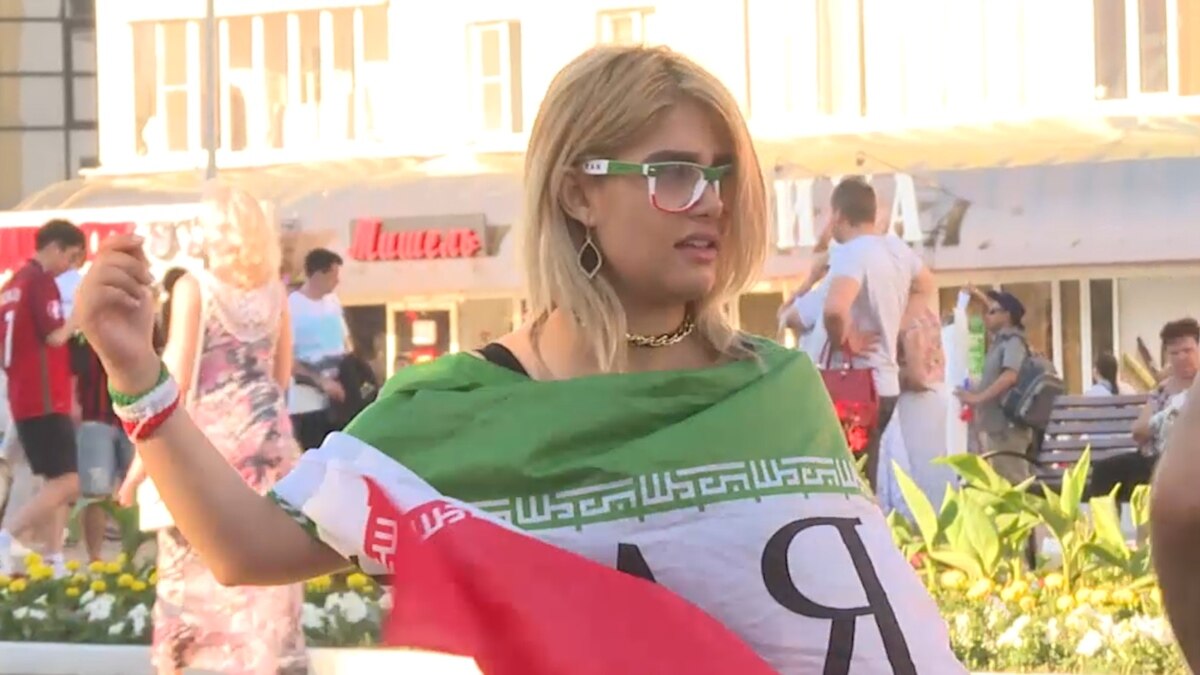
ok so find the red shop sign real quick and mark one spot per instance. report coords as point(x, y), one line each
point(370, 242)
point(17, 243)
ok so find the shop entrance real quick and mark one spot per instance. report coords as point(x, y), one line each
point(420, 332)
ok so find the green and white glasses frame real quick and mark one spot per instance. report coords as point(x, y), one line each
point(674, 187)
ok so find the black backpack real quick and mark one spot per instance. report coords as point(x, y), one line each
point(1031, 400)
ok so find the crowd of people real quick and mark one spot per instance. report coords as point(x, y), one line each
point(645, 215)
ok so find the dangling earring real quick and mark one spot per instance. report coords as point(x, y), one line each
point(589, 258)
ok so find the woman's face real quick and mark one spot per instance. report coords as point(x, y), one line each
point(1183, 357)
point(656, 258)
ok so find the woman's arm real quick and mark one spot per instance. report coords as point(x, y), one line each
point(1175, 520)
point(283, 349)
point(179, 355)
point(242, 536)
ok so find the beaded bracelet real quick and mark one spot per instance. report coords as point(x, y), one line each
point(144, 414)
point(121, 399)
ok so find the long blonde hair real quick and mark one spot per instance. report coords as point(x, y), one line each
point(597, 105)
point(241, 243)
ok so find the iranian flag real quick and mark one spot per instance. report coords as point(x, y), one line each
point(703, 521)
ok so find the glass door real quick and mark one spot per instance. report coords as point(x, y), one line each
point(420, 332)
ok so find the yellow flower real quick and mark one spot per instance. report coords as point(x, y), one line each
point(1098, 597)
point(112, 568)
point(1053, 581)
point(96, 567)
point(5, 580)
point(40, 572)
point(1124, 596)
point(17, 585)
point(122, 559)
point(79, 579)
point(1082, 595)
point(33, 560)
point(1014, 591)
point(137, 586)
point(979, 589)
point(1156, 595)
point(1065, 603)
point(153, 578)
point(1027, 603)
point(72, 592)
point(99, 586)
point(357, 581)
point(125, 580)
point(320, 584)
point(953, 579)
point(73, 565)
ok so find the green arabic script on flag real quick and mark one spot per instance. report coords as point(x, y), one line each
point(730, 486)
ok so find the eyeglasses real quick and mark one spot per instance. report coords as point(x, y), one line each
point(674, 187)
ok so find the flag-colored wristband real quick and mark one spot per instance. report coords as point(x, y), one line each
point(122, 399)
point(144, 415)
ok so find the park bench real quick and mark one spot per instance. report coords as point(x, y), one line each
point(1102, 423)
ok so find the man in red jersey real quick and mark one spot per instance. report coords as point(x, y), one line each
point(35, 358)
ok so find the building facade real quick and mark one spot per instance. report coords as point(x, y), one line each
point(374, 124)
point(47, 94)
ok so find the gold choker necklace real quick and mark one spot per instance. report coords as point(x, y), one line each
point(665, 339)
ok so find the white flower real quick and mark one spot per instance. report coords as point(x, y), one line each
point(1156, 628)
point(1052, 630)
point(116, 628)
point(138, 618)
point(385, 602)
point(22, 613)
point(962, 622)
point(1091, 643)
point(100, 608)
point(353, 608)
point(86, 597)
point(311, 617)
point(1123, 633)
point(1012, 636)
point(42, 600)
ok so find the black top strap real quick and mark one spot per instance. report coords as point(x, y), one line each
point(496, 353)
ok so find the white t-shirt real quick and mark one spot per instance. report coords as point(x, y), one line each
point(318, 333)
point(886, 267)
point(68, 284)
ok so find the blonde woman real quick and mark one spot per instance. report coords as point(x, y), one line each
point(628, 421)
point(228, 346)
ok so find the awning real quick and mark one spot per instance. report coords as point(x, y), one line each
point(915, 146)
point(315, 204)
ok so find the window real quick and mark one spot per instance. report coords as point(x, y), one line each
point(167, 86)
point(494, 52)
point(840, 75)
point(1146, 47)
point(623, 27)
point(285, 79)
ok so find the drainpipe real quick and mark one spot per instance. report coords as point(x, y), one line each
point(210, 90)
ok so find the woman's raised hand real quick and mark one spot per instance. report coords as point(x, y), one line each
point(116, 309)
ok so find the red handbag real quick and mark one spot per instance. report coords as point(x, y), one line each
point(854, 398)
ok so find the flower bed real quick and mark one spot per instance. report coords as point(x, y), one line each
point(110, 602)
point(1096, 609)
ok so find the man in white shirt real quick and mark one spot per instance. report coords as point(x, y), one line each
point(873, 279)
point(319, 340)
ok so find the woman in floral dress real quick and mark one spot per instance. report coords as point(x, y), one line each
point(229, 345)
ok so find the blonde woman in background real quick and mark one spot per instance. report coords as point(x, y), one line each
point(228, 346)
point(645, 215)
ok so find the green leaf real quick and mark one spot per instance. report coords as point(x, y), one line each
point(1074, 482)
point(976, 472)
point(1139, 506)
point(959, 560)
point(980, 534)
point(1106, 522)
point(1106, 555)
point(918, 503)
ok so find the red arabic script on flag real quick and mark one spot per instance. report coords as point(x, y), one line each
point(468, 586)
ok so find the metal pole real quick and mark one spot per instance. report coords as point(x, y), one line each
point(210, 89)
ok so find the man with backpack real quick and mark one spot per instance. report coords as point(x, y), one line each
point(1012, 400)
